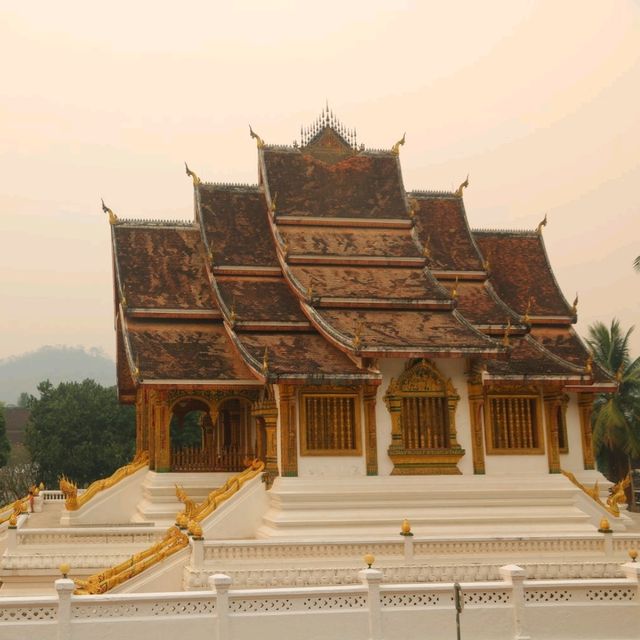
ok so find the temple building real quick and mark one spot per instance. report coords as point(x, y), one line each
point(354, 415)
point(332, 324)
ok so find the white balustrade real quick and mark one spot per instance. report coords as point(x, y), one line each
point(511, 608)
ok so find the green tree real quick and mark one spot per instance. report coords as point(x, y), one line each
point(78, 429)
point(616, 416)
point(5, 447)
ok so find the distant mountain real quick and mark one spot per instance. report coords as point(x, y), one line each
point(57, 364)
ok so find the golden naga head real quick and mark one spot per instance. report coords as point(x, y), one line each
point(462, 187)
point(396, 147)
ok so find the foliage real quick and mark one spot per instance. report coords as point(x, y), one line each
point(16, 479)
point(636, 264)
point(79, 430)
point(5, 447)
point(187, 433)
point(616, 416)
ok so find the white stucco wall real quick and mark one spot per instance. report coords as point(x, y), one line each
point(573, 461)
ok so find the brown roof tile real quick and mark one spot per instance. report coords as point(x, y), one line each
point(360, 186)
point(162, 267)
point(527, 359)
point(478, 306)
point(300, 354)
point(368, 282)
point(183, 350)
point(519, 269)
point(442, 227)
point(438, 331)
point(260, 299)
point(326, 241)
point(236, 226)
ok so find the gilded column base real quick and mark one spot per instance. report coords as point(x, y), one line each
point(425, 462)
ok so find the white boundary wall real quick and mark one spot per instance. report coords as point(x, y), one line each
point(513, 608)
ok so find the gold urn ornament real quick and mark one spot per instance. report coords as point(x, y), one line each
point(633, 554)
point(369, 559)
point(405, 528)
point(64, 569)
point(604, 526)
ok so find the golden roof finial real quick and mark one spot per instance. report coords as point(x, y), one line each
point(210, 255)
point(588, 367)
point(123, 296)
point(486, 262)
point(396, 147)
point(543, 223)
point(574, 306)
point(232, 315)
point(113, 218)
point(426, 251)
point(357, 335)
point(526, 318)
point(272, 206)
point(265, 361)
point(285, 248)
point(309, 293)
point(454, 291)
point(136, 367)
point(462, 187)
point(196, 181)
point(507, 331)
point(256, 137)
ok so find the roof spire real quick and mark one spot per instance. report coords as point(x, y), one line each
point(265, 361)
point(256, 137)
point(396, 147)
point(462, 187)
point(113, 218)
point(543, 223)
point(192, 175)
point(574, 306)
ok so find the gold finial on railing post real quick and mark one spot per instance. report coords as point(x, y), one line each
point(369, 559)
point(64, 569)
point(633, 554)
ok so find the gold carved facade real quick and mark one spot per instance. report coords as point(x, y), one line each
point(422, 404)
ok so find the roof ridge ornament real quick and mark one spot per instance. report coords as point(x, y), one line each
point(588, 366)
point(574, 306)
point(265, 361)
point(257, 138)
point(542, 223)
point(328, 119)
point(396, 147)
point(192, 175)
point(462, 187)
point(113, 218)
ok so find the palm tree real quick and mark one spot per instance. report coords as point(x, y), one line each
point(636, 264)
point(616, 416)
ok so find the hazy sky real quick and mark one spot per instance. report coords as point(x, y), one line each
point(538, 101)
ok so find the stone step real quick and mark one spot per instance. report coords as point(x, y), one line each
point(435, 505)
point(159, 505)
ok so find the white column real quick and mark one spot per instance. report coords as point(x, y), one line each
point(220, 583)
point(64, 587)
point(515, 575)
point(197, 553)
point(372, 578)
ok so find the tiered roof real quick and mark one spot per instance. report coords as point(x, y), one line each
point(325, 266)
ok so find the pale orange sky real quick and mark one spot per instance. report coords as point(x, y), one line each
point(538, 101)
